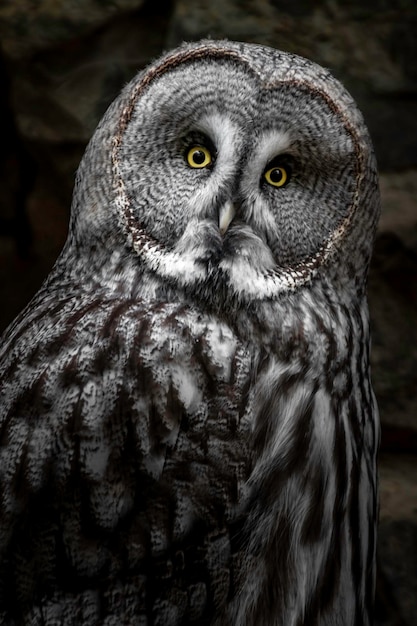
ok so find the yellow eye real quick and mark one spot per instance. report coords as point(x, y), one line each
point(277, 176)
point(198, 157)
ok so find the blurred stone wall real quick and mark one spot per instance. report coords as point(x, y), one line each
point(62, 63)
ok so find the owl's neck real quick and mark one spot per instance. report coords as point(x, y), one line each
point(272, 322)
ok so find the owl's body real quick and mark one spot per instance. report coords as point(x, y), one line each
point(187, 429)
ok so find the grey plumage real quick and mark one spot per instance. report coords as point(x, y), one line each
point(188, 431)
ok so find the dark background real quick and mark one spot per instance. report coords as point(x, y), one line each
point(63, 61)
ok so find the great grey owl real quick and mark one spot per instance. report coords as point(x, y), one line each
point(188, 430)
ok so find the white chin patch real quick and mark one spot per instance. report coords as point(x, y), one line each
point(251, 262)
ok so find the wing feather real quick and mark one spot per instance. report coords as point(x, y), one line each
point(122, 448)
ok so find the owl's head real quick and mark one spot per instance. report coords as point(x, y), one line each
point(235, 167)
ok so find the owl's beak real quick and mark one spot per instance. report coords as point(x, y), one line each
point(226, 214)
